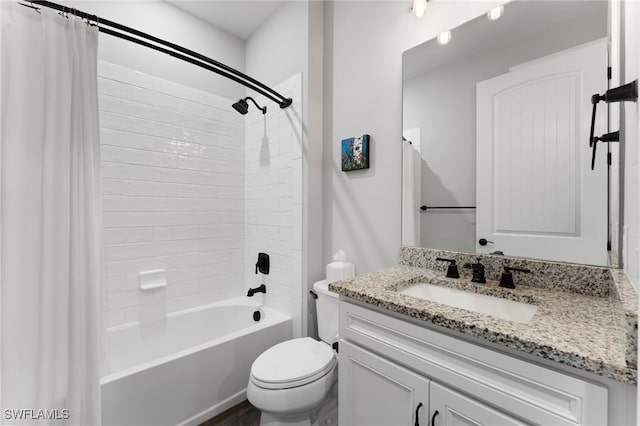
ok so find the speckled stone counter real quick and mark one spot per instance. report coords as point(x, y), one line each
point(586, 316)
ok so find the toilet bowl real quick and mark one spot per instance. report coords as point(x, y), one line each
point(290, 381)
point(295, 382)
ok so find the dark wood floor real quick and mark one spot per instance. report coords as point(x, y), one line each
point(243, 414)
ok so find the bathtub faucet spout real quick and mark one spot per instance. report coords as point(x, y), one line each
point(261, 289)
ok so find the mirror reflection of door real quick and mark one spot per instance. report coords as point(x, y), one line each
point(439, 98)
point(536, 193)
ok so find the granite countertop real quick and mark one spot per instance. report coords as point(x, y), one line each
point(586, 316)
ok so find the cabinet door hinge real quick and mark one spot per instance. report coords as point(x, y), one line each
point(609, 73)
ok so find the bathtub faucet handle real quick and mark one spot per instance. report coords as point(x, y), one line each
point(262, 265)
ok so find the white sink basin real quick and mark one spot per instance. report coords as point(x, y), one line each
point(496, 307)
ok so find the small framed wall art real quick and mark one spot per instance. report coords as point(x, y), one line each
point(355, 153)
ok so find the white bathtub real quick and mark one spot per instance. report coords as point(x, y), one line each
point(187, 367)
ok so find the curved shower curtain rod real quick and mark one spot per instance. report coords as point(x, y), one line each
point(179, 52)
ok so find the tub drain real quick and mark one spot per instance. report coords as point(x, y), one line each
point(256, 316)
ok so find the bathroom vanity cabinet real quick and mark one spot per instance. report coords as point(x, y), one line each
point(402, 397)
point(396, 371)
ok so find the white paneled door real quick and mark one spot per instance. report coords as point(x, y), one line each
point(536, 193)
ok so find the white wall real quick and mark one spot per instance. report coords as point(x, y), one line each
point(173, 163)
point(273, 194)
point(167, 22)
point(288, 43)
point(364, 42)
point(278, 49)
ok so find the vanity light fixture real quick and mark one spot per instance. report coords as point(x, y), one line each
point(444, 38)
point(419, 8)
point(495, 13)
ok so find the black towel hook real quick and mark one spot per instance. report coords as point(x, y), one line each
point(625, 93)
point(607, 137)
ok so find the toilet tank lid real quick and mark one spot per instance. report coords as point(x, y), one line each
point(322, 287)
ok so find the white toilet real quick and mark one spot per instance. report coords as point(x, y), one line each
point(295, 382)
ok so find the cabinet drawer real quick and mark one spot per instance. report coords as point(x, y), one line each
point(526, 390)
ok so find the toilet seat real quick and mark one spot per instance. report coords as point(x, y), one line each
point(292, 363)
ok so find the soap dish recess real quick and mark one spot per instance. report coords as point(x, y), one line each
point(153, 279)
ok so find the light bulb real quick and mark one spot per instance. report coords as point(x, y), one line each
point(495, 13)
point(419, 8)
point(444, 38)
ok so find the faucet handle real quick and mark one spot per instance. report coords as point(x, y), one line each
point(452, 270)
point(513, 269)
point(262, 264)
point(506, 280)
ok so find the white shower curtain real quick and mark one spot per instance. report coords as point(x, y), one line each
point(50, 219)
point(411, 192)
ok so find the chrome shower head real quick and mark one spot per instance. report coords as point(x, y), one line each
point(243, 107)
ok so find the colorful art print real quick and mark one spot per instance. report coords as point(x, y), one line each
point(355, 153)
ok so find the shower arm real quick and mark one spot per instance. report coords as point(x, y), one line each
point(263, 109)
point(178, 52)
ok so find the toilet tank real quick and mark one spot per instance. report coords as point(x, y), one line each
point(327, 312)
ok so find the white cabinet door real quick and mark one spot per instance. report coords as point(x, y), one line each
point(376, 392)
point(536, 193)
point(449, 408)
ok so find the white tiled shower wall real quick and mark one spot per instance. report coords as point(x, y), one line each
point(273, 188)
point(173, 164)
point(184, 192)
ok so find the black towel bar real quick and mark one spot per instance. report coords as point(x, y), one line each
point(425, 208)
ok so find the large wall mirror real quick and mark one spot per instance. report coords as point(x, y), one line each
point(496, 126)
